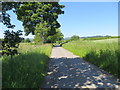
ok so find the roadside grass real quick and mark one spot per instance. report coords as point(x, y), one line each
point(27, 69)
point(103, 53)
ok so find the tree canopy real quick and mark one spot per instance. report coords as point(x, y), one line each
point(42, 34)
point(33, 15)
point(56, 37)
point(74, 37)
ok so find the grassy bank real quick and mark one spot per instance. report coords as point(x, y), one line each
point(27, 69)
point(103, 53)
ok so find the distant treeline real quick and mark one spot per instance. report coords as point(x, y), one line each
point(99, 38)
point(74, 38)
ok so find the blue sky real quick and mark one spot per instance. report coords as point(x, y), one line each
point(83, 19)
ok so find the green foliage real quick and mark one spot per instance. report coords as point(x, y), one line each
point(11, 42)
point(27, 40)
point(103, 53)
point(33, 13)
point(38, 39)
point(35, 16)
point(75, 37)
point(42, 34)
point(107, 60)
point(56, 37)
point(29, 67)
point(100, 38)
point(6, 6)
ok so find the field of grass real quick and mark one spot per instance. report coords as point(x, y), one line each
point(27, 69)
point(101, 38)
point(102, 53)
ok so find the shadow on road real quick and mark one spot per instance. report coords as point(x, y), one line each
point(56, 45)
point(76, 73)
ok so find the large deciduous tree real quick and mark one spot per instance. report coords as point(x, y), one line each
point(40, 14)
point(32, 14)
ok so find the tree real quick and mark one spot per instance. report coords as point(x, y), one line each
point(38, 39)
point(75, 37)
point(40, 16)
point(11, 42)
point(42, 34)
point(56, 37)
point(32, 14)
point(27, 40)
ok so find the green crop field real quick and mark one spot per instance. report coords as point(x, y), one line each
point(102, 53)
point(27, 69)
point(101, 38)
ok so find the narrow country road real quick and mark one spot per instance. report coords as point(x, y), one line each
point(66, 70)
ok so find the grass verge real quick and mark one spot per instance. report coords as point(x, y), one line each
point(27, 69)
point(102, 53)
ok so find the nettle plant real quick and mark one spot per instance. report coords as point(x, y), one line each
point(11, 42)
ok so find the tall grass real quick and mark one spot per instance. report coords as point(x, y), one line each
point(103, 53)
point(27, 69)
